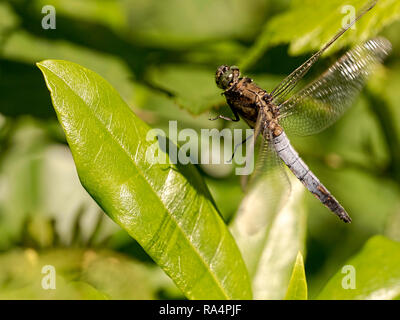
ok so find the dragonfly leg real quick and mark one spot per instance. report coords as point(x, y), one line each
point(224, 118)
point(267, 98)
point(236, 119)
point(237, 146)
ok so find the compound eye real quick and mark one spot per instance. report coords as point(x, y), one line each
point(223, 76)
point(224, 69)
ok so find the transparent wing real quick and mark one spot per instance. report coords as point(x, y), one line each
point(322, 102)
point(266, 192)
point(280, 93)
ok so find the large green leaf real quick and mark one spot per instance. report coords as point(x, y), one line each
point(166, 208)
point(374, 273)
point(297, 289)
point(271, 252)
point(307, 26)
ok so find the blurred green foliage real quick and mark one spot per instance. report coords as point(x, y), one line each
point(376, 273)
point(81, 274)
point(161, 57)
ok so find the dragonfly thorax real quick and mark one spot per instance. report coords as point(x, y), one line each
point(226, 76)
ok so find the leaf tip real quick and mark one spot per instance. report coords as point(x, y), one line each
point(297, 289)
point(43, 64)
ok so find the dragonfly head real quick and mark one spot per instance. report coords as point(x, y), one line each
point(227, 76)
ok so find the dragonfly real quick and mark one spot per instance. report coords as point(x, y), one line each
point(311, 110)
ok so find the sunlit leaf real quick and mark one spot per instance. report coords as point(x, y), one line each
point(373, 273)
point(271, 252)
point(165, 207)
point(297, 289)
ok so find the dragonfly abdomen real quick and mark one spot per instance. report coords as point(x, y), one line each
point(293, 161)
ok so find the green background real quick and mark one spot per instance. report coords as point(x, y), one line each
point(161, 57)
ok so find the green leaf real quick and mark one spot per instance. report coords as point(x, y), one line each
point(373, 273)
point(166, 208)
point(193, 88)
point(271, 252)
point(319, 23)
point(297, 289)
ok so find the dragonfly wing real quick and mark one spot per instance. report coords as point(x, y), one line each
point(323, 101)
point(258, 128)
point(267, 190)
point(280, 93)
